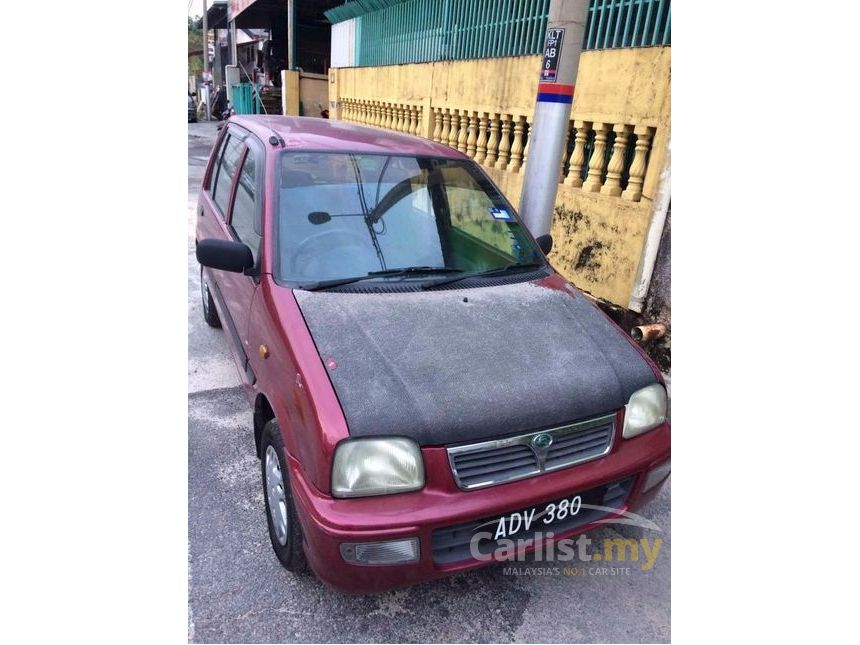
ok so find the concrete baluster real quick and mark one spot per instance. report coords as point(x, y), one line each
point(564, 158)
point(577, 157)
point(437, 124)
point(633, 193)
point(446, 126)
point(517, 146)
point(594, 180)
point(455, 125)
point(462, 135)
point(481, 143)
point(493, 143)
point(528, 142)
point(612, 185)
point(472, 140)
point(504, 143)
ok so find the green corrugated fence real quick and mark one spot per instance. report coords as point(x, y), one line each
point(245, 99)
point(628, 23)
point(417, 31)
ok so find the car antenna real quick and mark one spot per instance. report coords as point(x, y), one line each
point(276, 138)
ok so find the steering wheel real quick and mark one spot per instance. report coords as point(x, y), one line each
point(327, 241)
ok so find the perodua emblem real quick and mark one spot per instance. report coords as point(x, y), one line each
point(542, 441)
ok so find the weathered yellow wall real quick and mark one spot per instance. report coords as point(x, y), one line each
point(490, 84)
point(313, 93)
point(598, 238)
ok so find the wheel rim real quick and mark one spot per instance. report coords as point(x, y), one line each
point(276, 495)
point(204, 291)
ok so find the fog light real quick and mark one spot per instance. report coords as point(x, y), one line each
point(392, 552)
point(657, 475)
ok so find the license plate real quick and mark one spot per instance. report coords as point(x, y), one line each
point(542, 517)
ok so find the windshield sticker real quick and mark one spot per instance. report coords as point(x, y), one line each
point(501, 213)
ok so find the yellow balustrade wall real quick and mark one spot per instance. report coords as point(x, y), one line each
point(484, 108)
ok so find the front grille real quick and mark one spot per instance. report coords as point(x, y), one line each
point(494, 462)
point(451, 544)
point(579, 446)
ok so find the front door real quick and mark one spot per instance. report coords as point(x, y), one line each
point(232, 210)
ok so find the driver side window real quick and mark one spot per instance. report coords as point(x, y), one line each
point(244, 216)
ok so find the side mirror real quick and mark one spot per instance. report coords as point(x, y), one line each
point(545, 243)
point(225, 255)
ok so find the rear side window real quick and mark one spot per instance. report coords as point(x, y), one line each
point(244, 214)
point(226, 166)
point(216, 163)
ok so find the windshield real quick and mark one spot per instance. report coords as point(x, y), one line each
point(346, 215)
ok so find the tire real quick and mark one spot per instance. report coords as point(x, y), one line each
point(210, 314)
point(285, 533)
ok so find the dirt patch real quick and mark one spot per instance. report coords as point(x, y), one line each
point(588, 262)
point(573, 221)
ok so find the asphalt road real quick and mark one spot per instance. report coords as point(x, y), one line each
point(238, 592)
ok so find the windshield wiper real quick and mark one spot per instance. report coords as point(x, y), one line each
point(486, 274)
point(385, 273)
point(411, 270)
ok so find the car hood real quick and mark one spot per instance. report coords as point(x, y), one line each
point(465, 365)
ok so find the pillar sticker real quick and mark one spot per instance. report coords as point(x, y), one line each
point(551, 55)
point(549, 93)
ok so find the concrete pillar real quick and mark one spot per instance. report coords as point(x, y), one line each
point(290, 92)
point(232, 74)
point(335, 108)
point(650, 249)
point(231, 42)
point(563, 45)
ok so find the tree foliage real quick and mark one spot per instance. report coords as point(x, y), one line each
point(195, 43)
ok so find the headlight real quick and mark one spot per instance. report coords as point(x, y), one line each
point(364, 467)
point(645, 410)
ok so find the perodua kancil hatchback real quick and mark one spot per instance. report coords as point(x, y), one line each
point(424, 384)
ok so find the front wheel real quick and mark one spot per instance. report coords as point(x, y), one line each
point(284, 530)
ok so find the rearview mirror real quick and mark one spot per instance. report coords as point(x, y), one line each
point(545, 243)
point(319, 217)
point(225, 255)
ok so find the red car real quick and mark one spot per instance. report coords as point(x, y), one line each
point(420, 375)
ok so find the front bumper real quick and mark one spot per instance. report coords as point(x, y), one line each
point(328, 522)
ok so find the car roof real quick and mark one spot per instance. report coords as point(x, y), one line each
point(309, 133)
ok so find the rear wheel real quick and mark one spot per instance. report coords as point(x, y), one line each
point(284, 530)
point(210, 314)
